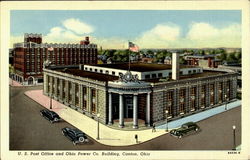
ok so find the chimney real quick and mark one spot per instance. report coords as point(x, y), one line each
point(86, 41)
point(175, 66)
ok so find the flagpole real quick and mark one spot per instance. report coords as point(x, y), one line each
point(128, 57)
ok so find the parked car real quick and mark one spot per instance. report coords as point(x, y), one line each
point(185, 129)
point(50, 115)
point(75, 135)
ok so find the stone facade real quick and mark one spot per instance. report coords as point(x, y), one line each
point(160, 102)
point(139, 100)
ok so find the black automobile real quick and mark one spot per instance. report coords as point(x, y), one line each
point(75, 135)
point(185, 129)
point(50, 115)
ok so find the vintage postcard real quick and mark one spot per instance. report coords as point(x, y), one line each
point(124, 80)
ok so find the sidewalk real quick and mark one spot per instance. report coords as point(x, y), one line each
point(108, 136)
point(14, 83)
point(113, 137)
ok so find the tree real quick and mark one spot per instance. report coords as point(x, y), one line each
point(231, 58)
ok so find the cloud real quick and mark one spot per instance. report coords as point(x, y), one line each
point(77, 26)
point(159, 36)
point(199, 35)
point(203, 34)
point(61, 35)
point(164, 35)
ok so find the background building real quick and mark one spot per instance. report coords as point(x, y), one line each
point(30, 55)
point(207, 61)
point(145, 92)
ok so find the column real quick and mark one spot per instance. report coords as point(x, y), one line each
point(148, 110)
point(66, 91)
point(73, 94)
point(121, 111)
point(56, 86)
point(45, 83)
point(110, 109)
point(50, 85)
point(61, 89)
point(135, 111)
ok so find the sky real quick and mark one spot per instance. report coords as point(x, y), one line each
point(112, 29)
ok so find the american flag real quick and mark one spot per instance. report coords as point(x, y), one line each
point(50, 49)
point(133, 47)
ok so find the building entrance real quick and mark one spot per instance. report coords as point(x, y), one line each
point(30, 80)
point(128, 106)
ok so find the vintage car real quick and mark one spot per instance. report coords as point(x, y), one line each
point(185, 129)
point(75, 135)
point(50, 115)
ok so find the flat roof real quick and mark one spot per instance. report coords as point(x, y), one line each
point(87, 74)
point(197, 75)
point(106, 77)
point(140, 67)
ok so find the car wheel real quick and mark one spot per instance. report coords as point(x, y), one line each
point(81, 139)
point(74, 143)
point(180, 136)
point(55, 119)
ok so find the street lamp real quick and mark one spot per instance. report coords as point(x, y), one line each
point(98, 137)
point(226, 102)
point(234, 147)
point(166, 120)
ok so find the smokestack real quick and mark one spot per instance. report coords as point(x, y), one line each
point(86, 41)
point(175, 66)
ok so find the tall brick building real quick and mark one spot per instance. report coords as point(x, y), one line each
point(30, 55)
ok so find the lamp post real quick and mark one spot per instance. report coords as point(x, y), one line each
point(98, 137)
point(166, 120)
point(226, 102)
point(234, 147)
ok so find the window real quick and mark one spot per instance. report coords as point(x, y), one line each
point(170, 102)
point(147, 76)
point(107, 72)
point(113, 73)
point(194, 71)
point(84, 105)
point(159, 75)
point(203, 95)
point(181, 72)
point(153, 75)
point(90, 69)
point(182, 95)
point(193, 99)
point(70, 92)
point(189, 72)
point(93, 104)
point(77, 95)
point(95, 70)
point(220, 94)
point(101, 70)
point(86, 68)
point(63, 88)
point(211, 94)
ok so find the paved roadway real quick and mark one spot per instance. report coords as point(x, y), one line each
point(30, 131)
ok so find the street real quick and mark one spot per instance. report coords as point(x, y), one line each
point(30, 131)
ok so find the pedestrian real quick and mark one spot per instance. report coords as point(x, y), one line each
point(136, 138)
point(153, 128)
